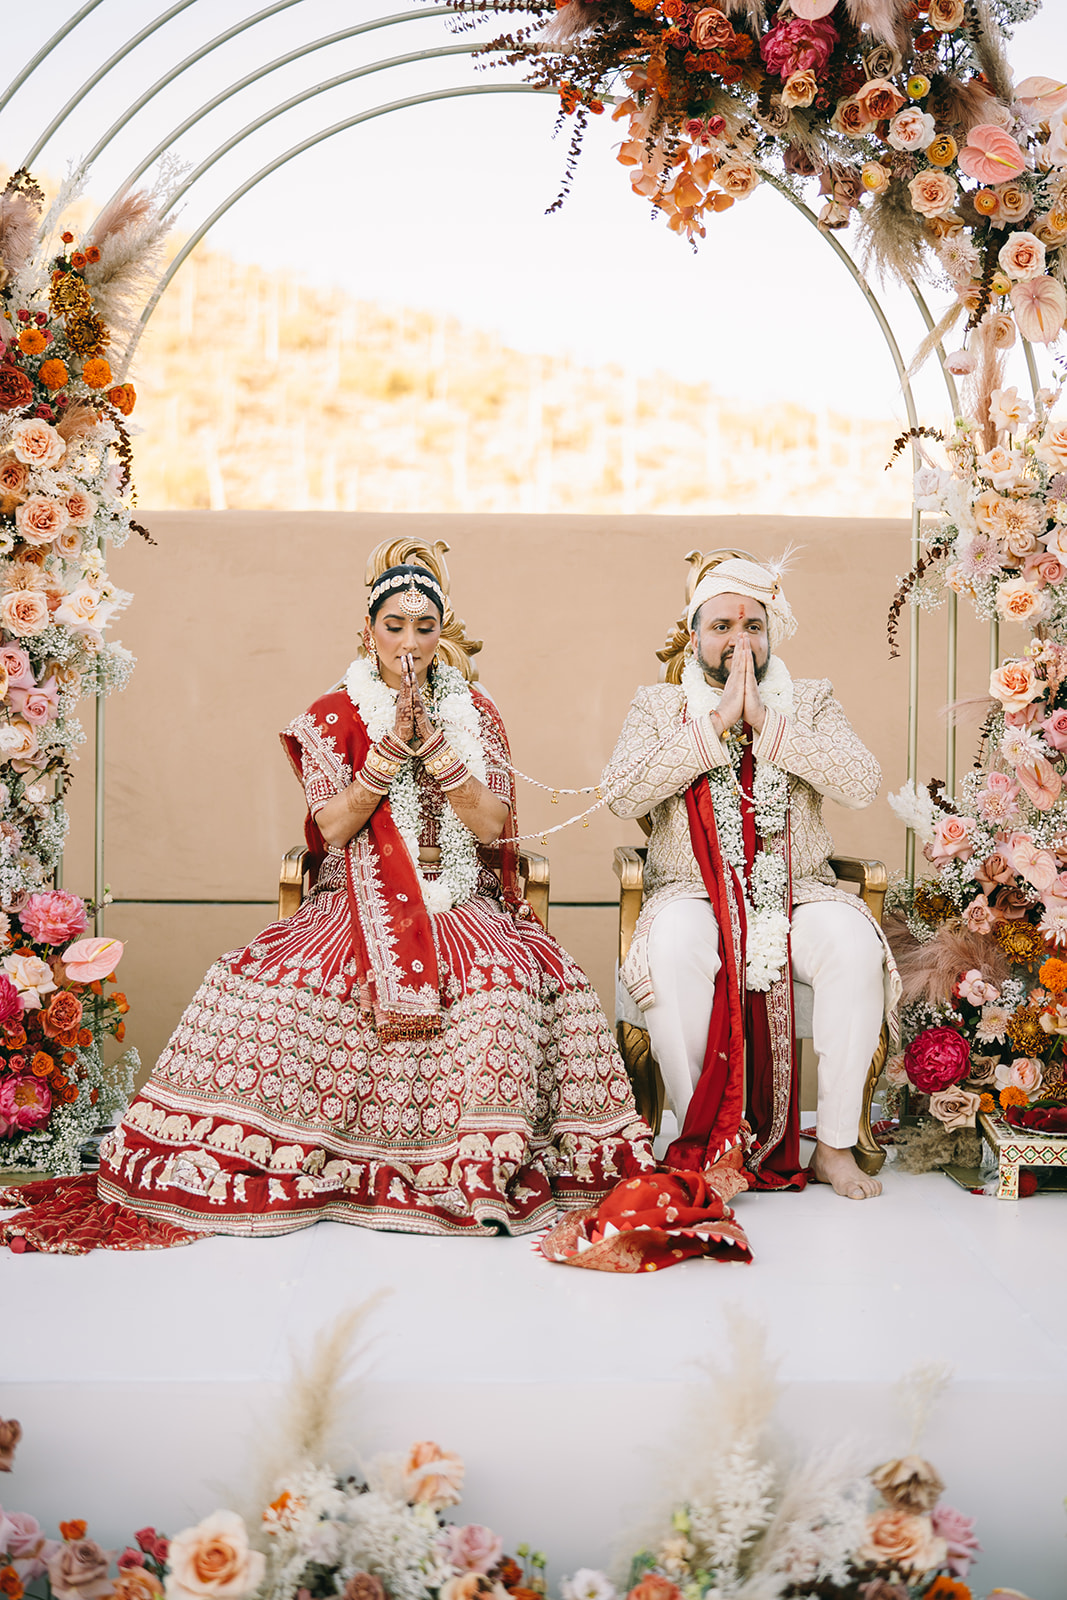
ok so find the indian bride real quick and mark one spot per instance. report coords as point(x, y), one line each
point(411, 1050)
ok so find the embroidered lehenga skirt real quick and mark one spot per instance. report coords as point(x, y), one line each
point(276, 1104)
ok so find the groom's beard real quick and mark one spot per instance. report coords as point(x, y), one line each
point(719, 674)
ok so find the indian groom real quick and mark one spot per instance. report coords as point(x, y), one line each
point(731, 768)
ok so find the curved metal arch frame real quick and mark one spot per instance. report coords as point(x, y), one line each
point(427, 97)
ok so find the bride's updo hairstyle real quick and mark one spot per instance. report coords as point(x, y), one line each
point(413, 589)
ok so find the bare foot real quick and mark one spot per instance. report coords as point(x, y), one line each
point(838, 1168)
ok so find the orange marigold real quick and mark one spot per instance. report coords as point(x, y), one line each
point(32, 341)
point(53, 374)
point(987, 1104)
point(945, 1588)
point(1053, 974)
point(1014, 1097)
point(73, 1530)
point(96, 372)
point(11, 1583)
point(123, 397)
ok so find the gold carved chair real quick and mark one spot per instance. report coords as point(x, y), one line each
point(870, 876)
point(293, 882)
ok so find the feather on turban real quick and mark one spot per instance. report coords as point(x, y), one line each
point(736, 576)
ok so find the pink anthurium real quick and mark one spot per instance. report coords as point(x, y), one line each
point(991, 155)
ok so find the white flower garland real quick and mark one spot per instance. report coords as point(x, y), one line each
point(451, 707)
point(767, 945)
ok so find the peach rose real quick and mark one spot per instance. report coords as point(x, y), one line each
point(1021, 601)
point(955, 1108)
point(39, 519)
point(952, 839)
point(1004, 468)
point(910, 130)
point(1008, 411)
point(902, 1539)
point(1023, 1073)
point(214, 1558)
point(1051, 448)
point(18, 740)
point(14, 478)
point(896, 1072)
point(1040, 306)
point(69, 543)
point(933, 193)
point(433, 1477)
point(800, 89)
point(24, 612)
point(37, 443)
point(1050, 228)
point(979, 916)
point(1022, 256)
point(851, 119)
point(1001, 329)
point(137, 1583)
point(1015, 684)
point(711, 29)
point(472, 1586)
point(946, 15)
point(737, 178)
point(81, 507)
point(878, 99)
point(1013, 203)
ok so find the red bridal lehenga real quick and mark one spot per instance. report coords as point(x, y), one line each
point(367, 1061)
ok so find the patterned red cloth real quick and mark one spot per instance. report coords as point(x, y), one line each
point(656, 1221)
point(65, 1216)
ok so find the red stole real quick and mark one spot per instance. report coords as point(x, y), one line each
point(747, 1028)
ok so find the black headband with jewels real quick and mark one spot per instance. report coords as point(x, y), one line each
point(413, 588)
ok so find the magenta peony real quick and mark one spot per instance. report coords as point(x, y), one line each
point(10, 1000)
point(799, 46)
point(25, 1104)
point(54, 916)
point(936, 1059)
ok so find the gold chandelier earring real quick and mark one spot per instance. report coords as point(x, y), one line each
point(369, 645)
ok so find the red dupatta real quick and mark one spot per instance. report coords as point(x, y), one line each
point(751, 1038)
point(393, 945)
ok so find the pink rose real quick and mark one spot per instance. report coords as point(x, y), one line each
point(20, 1534)
point(470, 1549)
point(973, 987)
point(91, 959)
point(81, 507)
point(952, 839)
point(40, 519)
point(1043, 567)
point(979, 916)
point(38, 704)
point(1023, 1073)
point(1022, 256)
point(798, 46)
point(958, 1533)
point(10, 1002)
point(54, 916)
point(25, 1104)
point(1054, 730)
point(936, 1059)
point(16, 664)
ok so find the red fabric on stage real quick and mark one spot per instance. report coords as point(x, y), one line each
point(656, 1221)
point(740, 1024)
point(66, 1217)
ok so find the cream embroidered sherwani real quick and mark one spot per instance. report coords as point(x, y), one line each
point(815, 745)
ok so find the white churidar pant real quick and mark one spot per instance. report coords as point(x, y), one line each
point(835, 950)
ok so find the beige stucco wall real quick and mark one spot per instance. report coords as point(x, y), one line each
point(240, 619)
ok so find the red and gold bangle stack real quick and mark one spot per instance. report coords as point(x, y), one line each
point(442, 762)
point(382, 763)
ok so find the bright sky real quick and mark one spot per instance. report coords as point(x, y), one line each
point(443, 205)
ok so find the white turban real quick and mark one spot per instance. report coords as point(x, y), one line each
point(736, 576)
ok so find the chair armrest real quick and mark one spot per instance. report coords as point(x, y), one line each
point(871, 876)
point(291, 881)
point(534, 871)
point(629, 868)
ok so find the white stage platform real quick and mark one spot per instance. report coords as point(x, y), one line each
point(143, 1381)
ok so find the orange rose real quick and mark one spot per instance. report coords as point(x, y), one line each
point(1019, 601)
point(946, 15)
point(852, 119)
point(137, 1583)
point(653, 1587)
point(942, 150)
point(902, 1539)
point(879, 99)
point(1015, 684)
point(123, 397)
point(214, 1559)
point(737, 178)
